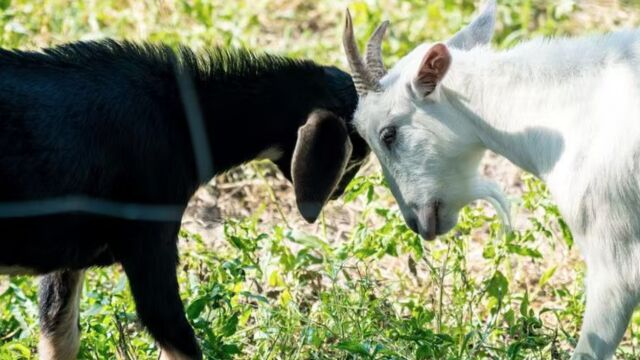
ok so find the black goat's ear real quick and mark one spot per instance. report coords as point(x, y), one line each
point(319, 160)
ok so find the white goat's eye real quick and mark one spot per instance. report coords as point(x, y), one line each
point(388, 135)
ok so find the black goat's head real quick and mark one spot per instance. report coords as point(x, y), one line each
point(328, 151)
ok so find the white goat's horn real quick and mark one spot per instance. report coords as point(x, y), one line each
point(362, 79)
point(374, 52)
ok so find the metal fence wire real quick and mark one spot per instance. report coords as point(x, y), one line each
point(78, 203)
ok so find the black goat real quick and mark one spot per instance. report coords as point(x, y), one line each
point(107, 120)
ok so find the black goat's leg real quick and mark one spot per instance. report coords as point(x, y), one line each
point(150, 266)
point(59, 298)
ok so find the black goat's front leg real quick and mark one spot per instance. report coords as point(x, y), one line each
point(59, 295)
point(150, 265)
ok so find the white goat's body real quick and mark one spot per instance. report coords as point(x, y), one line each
point(573, 122)
point(566, 110)
point(569, 111)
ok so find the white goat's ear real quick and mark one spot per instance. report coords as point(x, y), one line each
point(432, 70)
point(478, 32)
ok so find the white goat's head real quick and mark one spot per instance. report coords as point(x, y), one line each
point(429, 158)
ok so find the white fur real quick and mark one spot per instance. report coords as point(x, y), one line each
point(566, 110)
point(64, 342)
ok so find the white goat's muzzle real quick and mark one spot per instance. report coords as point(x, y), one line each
point(427, 224)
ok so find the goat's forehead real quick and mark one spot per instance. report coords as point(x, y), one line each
point(373, 111)
point(379, 110)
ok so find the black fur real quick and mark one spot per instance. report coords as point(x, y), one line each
point(105, 119)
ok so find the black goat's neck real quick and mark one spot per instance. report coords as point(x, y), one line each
point(258, 111)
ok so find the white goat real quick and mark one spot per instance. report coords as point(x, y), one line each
point(566, 110)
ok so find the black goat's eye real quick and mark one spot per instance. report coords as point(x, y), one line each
point(388, 135)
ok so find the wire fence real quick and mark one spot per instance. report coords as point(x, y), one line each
point(78, 203)
point(90, 205)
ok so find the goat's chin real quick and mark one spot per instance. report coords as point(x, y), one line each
point(491, 191)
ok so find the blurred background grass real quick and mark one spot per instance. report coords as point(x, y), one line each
point(293, 27)
point(262, 284)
